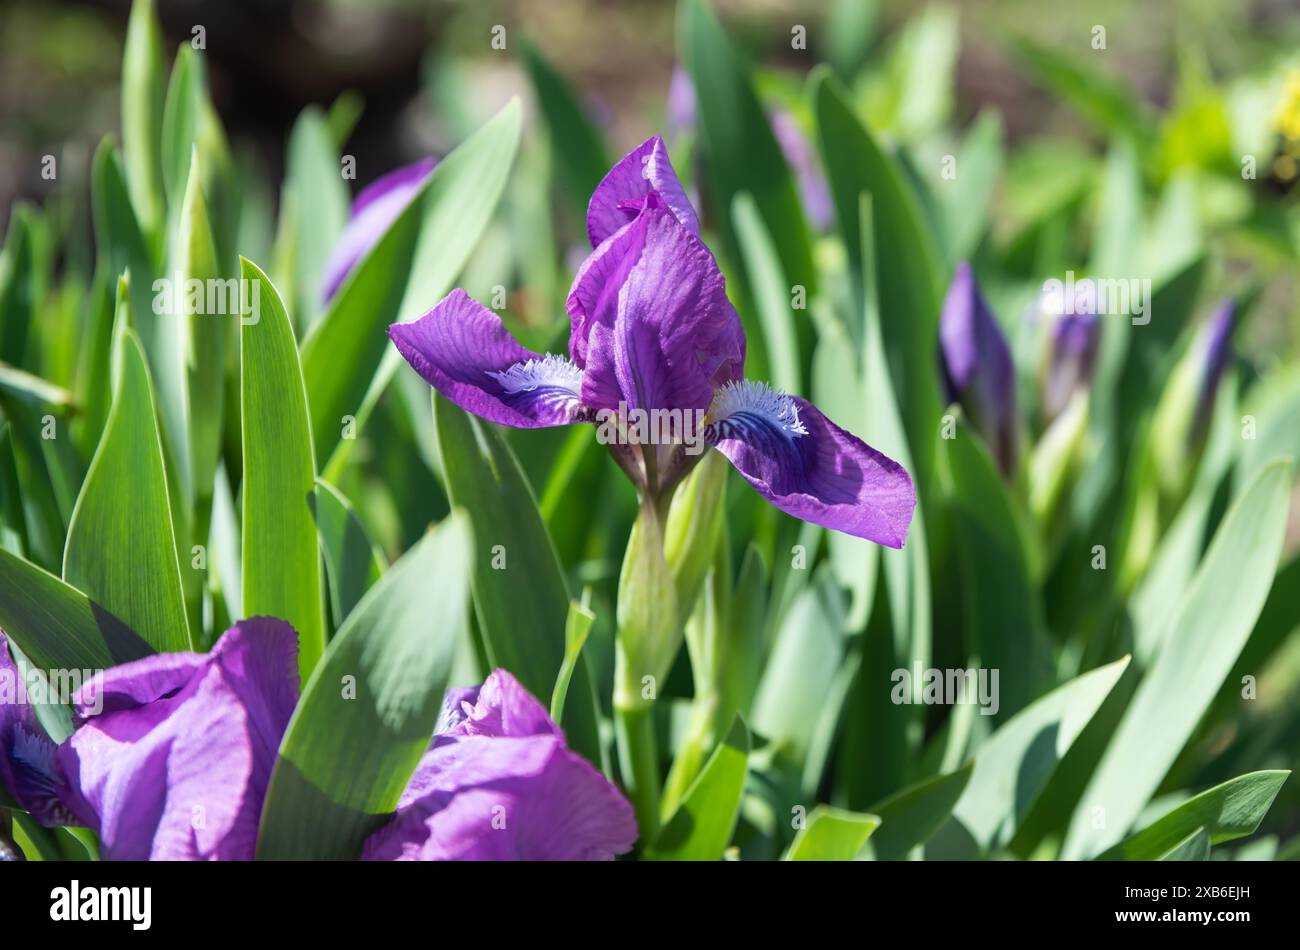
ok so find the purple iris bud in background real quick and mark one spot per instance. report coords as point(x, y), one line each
point(173, 753)
point(375, 209)
point(1217, 338)
point(814, 192)
point(681, 103)
point(652, 331)
point(1071, 361)
point(977, 368)
point(28, 771)
point(499, 783)
point(808, 175)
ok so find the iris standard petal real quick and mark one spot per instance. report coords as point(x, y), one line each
point(375, 209)
point(623, 190)
point(501, 784)
point(28, 770)
point(463, 350)
point(977, 366)
point(651, 322)
point(809, 467)
point(182, 774)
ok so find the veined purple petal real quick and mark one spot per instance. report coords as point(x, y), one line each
point(176, 765)
point(809, 467)
point(1072, 359)
point(463, 350)
point(651, 322)
point(622, 192)
point(502, 785)
point(977, 367)
point(375, 209)
point(28, 770)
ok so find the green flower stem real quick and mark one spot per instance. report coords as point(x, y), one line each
point(634, 730)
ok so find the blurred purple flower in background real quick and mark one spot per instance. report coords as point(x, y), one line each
point(375, 209)
point(799, 154)
point(652, 331)
point(808, 175)
point(1071, 361)
point(978, 371)
point(499, 783)
point(681, 103)
point(1217, 341)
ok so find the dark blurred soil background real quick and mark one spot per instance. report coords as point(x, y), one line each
point(267, 59)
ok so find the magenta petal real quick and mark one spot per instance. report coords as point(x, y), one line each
point(28, 770)
point(502, 785)
point(182, 774)
point(623, 190)
point(809, 467)
point(373, 213)
point(464, 351)
point(651, 322)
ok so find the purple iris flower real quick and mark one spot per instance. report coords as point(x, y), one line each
point(172, 754)
point(1072, 359)
point(175, 764)
point(499, 783)
point(28, 771)
point(977, 368)
point(653, 334)
point(1217, 338)
point(375, 209)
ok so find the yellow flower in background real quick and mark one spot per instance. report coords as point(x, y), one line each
point(1288, 113)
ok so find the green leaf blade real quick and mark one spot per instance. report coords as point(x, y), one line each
point(282, 574)
point(57, 626)
point(121, 547)
point(1208, 632)
point(1231, 810)
point(367, 715)
point(347, 358)
point(832, 834)
point(702, 825)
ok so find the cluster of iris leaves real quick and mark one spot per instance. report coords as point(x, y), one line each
point(162, 475)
